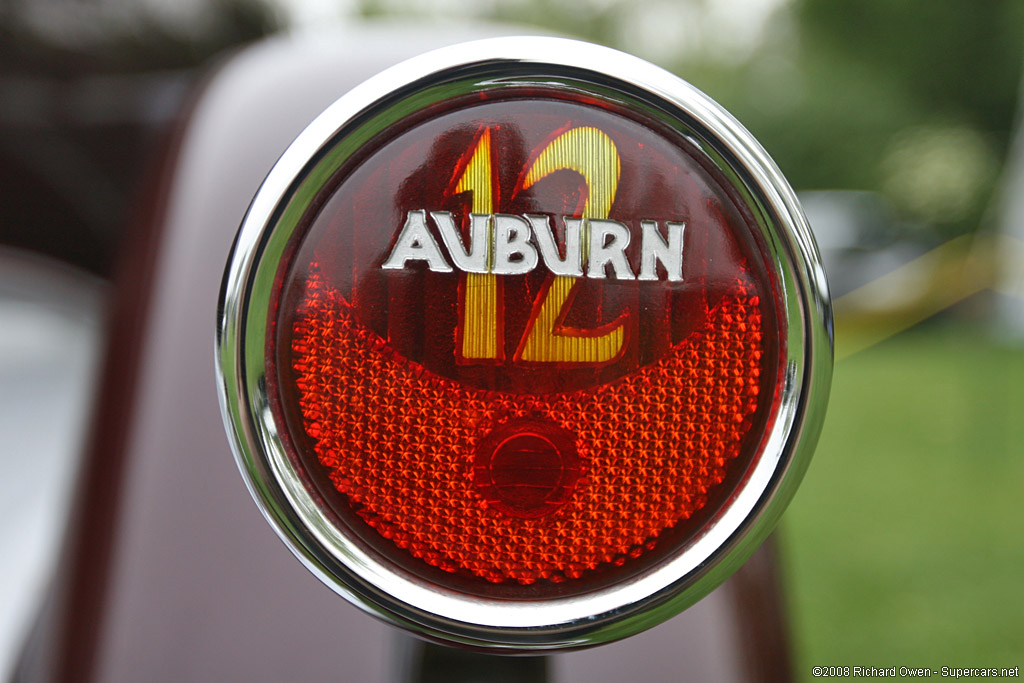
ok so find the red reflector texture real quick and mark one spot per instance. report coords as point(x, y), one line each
point(473, 463)
point(527, 467)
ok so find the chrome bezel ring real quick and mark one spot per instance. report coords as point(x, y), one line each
point(430, 610)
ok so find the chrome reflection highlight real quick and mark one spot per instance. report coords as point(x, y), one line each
point(490, 66)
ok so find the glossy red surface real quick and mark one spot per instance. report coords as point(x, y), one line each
point(389, 418)
point(354, 223)
point(527, 468)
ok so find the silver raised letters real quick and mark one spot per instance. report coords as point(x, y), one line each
point(605, 251)
point(571, 265)
point(511, 239)
point(415, 243)
point(504, 244)
point(474, 259)
point(653, 249)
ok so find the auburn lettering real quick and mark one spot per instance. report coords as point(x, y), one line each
point(505, 244)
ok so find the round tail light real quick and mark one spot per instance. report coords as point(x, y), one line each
point(524, 344)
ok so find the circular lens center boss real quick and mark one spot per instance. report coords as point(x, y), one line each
point(502, 331)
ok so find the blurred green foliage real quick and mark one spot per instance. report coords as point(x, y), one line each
point(870, 73)
point(914, 99)
point(903, 546)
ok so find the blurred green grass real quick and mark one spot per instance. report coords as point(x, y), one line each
point(905, 544)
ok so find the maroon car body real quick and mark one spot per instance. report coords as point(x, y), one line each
point(167, 571)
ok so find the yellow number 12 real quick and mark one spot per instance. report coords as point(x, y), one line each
point(592, 154)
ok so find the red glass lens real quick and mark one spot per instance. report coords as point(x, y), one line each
point(526, 341)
